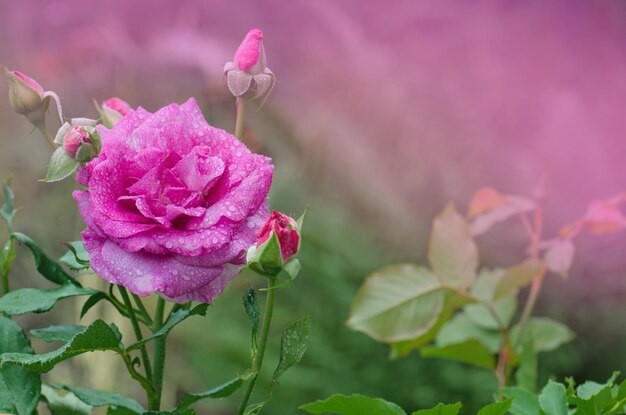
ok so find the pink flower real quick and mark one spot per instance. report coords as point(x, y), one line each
point(74, 138)
point(286, 229)
point(117, 104)
point(172, 204)
point(250, 56)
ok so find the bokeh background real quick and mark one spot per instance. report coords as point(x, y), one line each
point(382, 113)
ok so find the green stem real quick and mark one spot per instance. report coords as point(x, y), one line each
point(258, 359)
point(46, 134)
point(142, 309)
point(159, 354)
point(5, 282)
point(239, 119)
point(133, 320)
point(143, 381)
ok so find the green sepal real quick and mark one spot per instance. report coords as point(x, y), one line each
point(267, 258)
point(61, 165)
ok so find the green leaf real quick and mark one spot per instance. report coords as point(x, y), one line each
point(518, 276)
point(293, 345)
point(546, 333)
point(19, 388)
point(7, 211)
point(470, 351)
point(352, 405)
point(221, 391)
point(552, 399)
point(57, 333)
point(92, 301)
point(396, 303)
point(484, 288)
point(61, 166)
point(510, 206)
point(441, 409)
point(496, 408)
point(559, 256)
point(524, 402)
point(452, 251)
point(98, 398)
point(48, 268)
point(76, 257)
point(31, 300)
point(596, 398)
point(174, 319)
point(461, 329)
point(66, 404)
point(97, 336)
point(252, 310)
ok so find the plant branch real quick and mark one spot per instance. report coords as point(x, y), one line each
point(159, 353)
point(258, 359)
point(239, 119)
point(133, 320)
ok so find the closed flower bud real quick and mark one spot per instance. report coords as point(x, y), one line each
point(25, 94)
point(74, 138)
point(113, 110)
point(276, 244)
point(247, 75)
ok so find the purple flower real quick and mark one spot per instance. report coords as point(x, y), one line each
point(172, 204)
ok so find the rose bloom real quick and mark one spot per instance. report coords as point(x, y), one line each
point(172, 204)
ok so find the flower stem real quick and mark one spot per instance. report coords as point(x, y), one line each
point(239, 119)
point(133, 320)
point(159, 354)
point(258, 359)
point(46, 134)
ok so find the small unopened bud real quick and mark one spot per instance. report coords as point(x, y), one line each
point(276, 244)
point(74, 138)
point(247, 75)
point(113, 110)
point(25, 94)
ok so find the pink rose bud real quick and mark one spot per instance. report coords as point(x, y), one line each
point(247, 75)
point(117, 104)
point(25, 94)
point(250, 56)
point(113, 110)
point(287, 231)
point(74, 138)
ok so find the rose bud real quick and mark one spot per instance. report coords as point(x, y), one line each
point(276, 244)
point(247, 76)
point(25, 94)
point(113, 110)
point(74, 138)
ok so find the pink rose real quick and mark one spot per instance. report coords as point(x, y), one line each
point(117, 104)
point(286, 229)
point(172, 204)
point(74, 138)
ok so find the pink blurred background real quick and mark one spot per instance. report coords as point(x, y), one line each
point(385, 110)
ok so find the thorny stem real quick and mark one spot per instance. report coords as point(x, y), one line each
point(239, 119)
point(145, 383)
point(133, 320)
point(159, 354)
point(258, 358)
